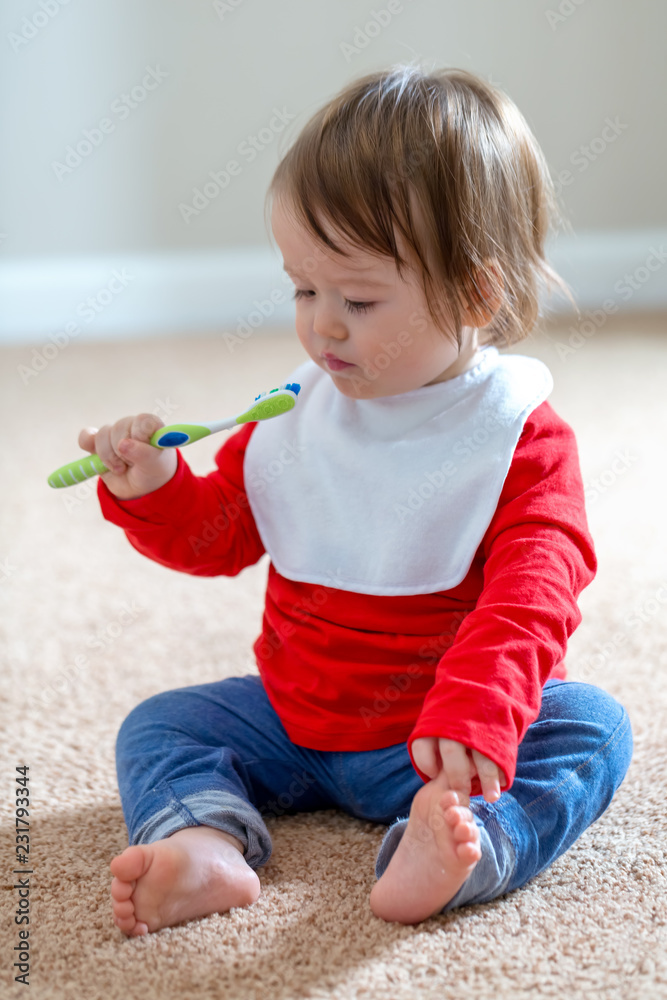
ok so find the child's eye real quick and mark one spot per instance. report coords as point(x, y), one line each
point(350, 306)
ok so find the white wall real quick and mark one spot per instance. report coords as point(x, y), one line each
point(220, 72)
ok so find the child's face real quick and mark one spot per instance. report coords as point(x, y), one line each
point(391, 344)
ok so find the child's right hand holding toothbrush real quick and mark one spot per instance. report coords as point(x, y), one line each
point(136, 467)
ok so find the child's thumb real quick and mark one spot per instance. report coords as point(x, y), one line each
point(424, 755)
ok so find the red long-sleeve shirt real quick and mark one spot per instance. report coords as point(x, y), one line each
point(349, 671)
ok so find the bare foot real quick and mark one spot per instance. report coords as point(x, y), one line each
point(437, 853)
point(194, 872)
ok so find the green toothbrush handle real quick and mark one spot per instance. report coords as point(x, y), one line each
point(92, 465)
point(77, 471)
point(178, 435)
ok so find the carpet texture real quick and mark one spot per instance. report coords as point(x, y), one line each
point(90, 628)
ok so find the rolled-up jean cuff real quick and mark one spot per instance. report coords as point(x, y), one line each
point(490, 876)
point(390, 842)
point(493, 872)
point(221, 810)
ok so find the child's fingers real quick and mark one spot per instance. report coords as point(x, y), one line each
point(425, 754)
point(144, 425)
point(490, 776)
point(133, 428)
point(104, 447)
point(456, 764)
point(128, 436)
point(133, 442)
point(87, 439)
point(144, 455)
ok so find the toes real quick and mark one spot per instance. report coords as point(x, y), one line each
point(458, 814)
point(465, 831)
point(124, 910)
point(124, 924)
point(449, 798)
point(468, 852)
point(130, 927)
point(131, 864)
point(120, 890)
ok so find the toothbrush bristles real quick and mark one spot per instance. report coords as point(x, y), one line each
point(292, 386)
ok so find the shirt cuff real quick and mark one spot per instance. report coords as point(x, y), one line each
point(166, 505)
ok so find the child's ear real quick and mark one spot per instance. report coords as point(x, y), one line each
point(483, 297)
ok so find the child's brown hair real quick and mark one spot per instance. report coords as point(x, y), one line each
point(450, 161)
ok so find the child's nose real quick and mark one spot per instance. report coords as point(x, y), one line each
point(328, 324)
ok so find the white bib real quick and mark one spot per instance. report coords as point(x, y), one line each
point(389, 496)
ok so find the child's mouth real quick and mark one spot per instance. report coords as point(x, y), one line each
point(335, 364)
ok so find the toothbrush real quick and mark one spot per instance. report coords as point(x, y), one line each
point(266, 405)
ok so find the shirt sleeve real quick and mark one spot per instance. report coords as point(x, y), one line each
point(538, 556)
point(195, 524)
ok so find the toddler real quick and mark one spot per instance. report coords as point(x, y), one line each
point(426, 531)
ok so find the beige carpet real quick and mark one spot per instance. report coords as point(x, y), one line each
point(74, 665)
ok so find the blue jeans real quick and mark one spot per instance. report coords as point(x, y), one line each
point(217, 754)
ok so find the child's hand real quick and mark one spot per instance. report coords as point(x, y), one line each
point(431, 753)
point(135, 467)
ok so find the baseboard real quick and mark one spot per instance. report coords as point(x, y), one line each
point(128, 295)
